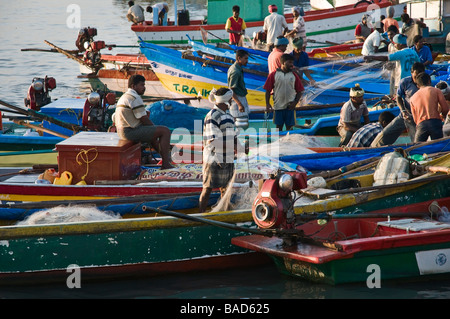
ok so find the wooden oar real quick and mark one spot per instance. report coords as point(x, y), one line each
point(51, 50)
point(263, 232)
point(39, 128)
point(186, 55)
point(69, 55)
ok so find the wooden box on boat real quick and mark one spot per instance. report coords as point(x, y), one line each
point(99, 156)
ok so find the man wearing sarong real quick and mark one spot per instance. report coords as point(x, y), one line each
point(219, 146)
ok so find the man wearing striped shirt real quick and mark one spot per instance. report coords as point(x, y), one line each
point(133, 123)
point(366, 134)
point(219, 146)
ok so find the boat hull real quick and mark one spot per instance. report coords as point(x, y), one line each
point(321, 26)
point(160, 245)
point(367, 249)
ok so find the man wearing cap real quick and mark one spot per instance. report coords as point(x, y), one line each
point(275, 25)
point(220, 145)
point(301, 61)
point(362, 30)
point(351, 113)
point(298, 26)
point(273, 60)
point(406, 57)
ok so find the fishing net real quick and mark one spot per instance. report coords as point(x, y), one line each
point(64, 214)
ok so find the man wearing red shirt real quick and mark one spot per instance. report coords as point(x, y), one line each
point(287, 90)
point(235, 26)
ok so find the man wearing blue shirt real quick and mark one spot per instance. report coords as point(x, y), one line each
point(422, 50)
point(405, 56)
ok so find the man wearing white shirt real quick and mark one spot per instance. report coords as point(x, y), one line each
point(372, 43)
point(274, 26)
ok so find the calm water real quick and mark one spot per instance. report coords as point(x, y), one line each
point(26, 24)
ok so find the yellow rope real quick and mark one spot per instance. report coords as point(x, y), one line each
point(86, 159)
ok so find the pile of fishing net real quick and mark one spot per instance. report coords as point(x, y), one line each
point(64, 214)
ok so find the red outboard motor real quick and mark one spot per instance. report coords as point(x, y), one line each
point(85, 37)
point(274, 205)
point(92, 56)
point(94, 111)
point(38, 92)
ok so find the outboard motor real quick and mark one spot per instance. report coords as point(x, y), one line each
point(95, 111)
point(85, 37)
point(274, 204)
point(38, 92)
point(92, 56)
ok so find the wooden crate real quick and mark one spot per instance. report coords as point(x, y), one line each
point(103, 156)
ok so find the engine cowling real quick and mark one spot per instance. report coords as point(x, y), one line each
point(273, 206)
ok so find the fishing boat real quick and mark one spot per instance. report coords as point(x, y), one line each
point(361, 249)
point(121, 248)
point(193, 77)
point(330, 246)
point(321, 25)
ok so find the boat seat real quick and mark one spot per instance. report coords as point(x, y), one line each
point(414, 224)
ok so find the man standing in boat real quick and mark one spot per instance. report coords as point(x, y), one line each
point(406, 57)
point(235, 26)
point(160, 11)
point(133, 123)
point(239, 107)
point(275, 25)
point(219, 146)
point(351, 114)
point(287, 90)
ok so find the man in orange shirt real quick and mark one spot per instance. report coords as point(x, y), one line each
point(273, 60)
point(428, 108)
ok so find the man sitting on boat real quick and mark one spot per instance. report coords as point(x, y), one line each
point(133, 123)
point(366, 134)
point(362, 30)
point(135, 13)
point(235, 26)
point(220, 145)
point(351, 113)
